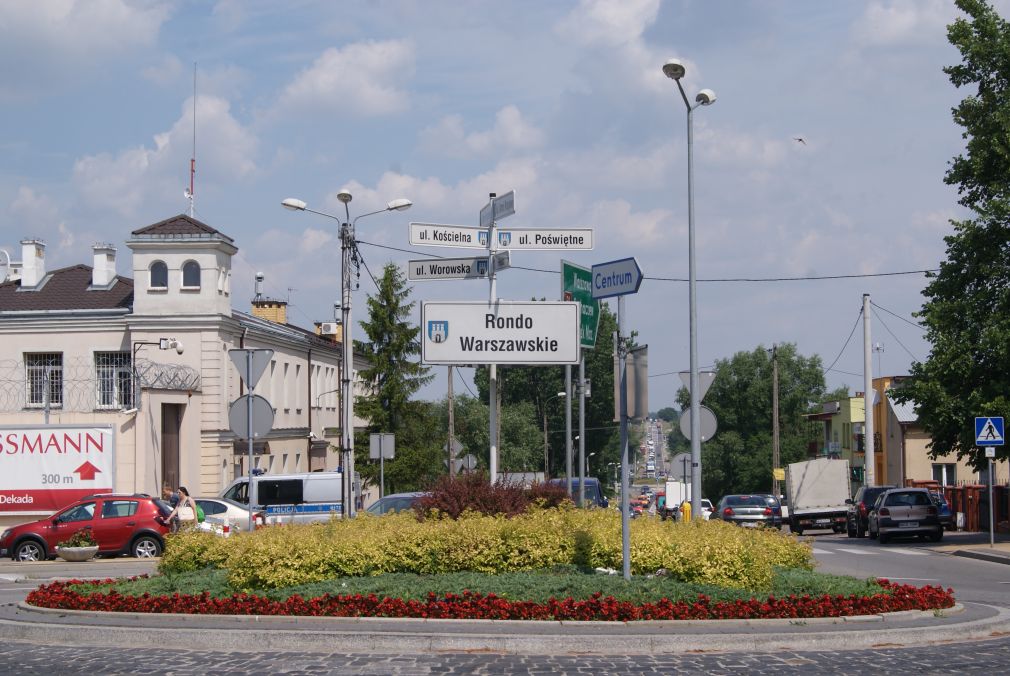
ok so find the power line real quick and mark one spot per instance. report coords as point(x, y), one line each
point(465, 384)
point(918, 326)
point(854, 325)
point(884, 324)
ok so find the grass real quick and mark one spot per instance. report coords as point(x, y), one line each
point(562, 582)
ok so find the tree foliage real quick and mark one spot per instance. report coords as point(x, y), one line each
point(739, 458)
point(966, 311)
point(668, 414)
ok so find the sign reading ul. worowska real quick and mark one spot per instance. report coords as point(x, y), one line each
point(506, 332)
point(46, 467)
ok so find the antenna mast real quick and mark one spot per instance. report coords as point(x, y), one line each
point(190, 194)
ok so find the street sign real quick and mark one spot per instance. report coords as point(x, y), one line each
point(577, 285)
point(437, 234)
point(707, 419)
point(469, 462)
point(546, 239)
point(503, 206)
point(262, 420)
point(989, 431)
point(381, 446)
point(502, 260)
point(681, 464)
point(705, 379)
point(990, 451)
point(616, 278)
point(260, 361)
point(427, 269)
point(457, 447)
point(531, 332)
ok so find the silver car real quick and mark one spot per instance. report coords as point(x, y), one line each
point(905, 511)
point(749, 510)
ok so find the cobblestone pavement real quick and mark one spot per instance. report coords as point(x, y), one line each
point(27, 658)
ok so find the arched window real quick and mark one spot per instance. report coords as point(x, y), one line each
point(191, 274)
point(159, 275)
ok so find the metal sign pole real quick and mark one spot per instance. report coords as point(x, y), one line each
point(568, 427)
point(582, 428)
point(492, 368)
point(382, 470)
point(625, 488)
point(992, 530)
point(249, 434)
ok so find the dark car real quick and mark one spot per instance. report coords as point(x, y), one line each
point(905, 512)
point(121, 524)
point(753, 509)
point(594, 492)
point(944, 511)
point(395, 502)
point(856, 517)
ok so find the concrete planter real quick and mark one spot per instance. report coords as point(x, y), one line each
point(77, 553)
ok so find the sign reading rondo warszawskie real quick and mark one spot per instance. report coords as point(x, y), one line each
point(577, 285)
point(506, 332)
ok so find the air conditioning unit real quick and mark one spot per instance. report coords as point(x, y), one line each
point(329, 328)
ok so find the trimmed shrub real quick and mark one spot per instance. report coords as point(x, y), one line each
point(452, 496)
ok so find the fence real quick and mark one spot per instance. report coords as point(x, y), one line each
point(972, 500)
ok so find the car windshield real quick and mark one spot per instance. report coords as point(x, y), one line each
point(392, 504)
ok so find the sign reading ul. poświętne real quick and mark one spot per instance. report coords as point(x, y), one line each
point(503, 333)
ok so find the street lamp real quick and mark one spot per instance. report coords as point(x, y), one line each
point(675, 70)
point(585, 468)
point(349, 258)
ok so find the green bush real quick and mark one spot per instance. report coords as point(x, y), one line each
point(712, 553)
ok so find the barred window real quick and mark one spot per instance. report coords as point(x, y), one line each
point(115, 379)
point(44, 379)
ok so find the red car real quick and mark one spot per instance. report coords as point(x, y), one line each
point(121, 524)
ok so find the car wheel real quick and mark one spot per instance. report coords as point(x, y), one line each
point(29, 550)
point(850, 531)
point(146, 547)
point(937, 536)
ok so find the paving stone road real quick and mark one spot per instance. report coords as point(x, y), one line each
point(25, 658)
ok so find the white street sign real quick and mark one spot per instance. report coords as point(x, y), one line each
point(546, 239)
point(616, 278)
point(381, 445)
point(705, 380)
point(502, 260)
point(437, 234)
point(506, 332)
point(503, 206)
point(260, 360)
point(471, 267)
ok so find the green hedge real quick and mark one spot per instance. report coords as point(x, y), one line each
point(702, 552)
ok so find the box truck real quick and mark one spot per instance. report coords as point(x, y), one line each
point(817, 491)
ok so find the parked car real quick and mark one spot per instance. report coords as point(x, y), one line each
point(904, 511)
point(750, 510)
point(944, 511)
point(219, 510)
point(395, 502)
point(594, 491)
point(121, 524)
point(706, 509)
point(859, 509)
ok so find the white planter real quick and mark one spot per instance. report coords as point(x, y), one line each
point(77, 553)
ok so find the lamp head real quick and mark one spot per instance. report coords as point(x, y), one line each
point(293, 204)
point(401, 204)
point(705, 97)
point(674, 69)
point(344, 196)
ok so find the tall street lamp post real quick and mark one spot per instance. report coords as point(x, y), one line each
point(349, 259)
point(675, 70)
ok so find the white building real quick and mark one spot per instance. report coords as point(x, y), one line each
point(81, 343)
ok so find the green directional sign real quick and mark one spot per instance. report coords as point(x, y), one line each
point(577, 285)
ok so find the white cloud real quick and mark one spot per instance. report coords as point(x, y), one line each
point(46, 43)
point(511, 131)
point(609, 23)
point(33, 208)
point(166, 72)
point(138, 176)
point(364, 78)
point(903, 22)
point(314, 240)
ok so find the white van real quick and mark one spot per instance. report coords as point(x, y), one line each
point(292, 498)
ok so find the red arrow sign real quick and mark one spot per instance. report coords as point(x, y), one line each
point(87, 471)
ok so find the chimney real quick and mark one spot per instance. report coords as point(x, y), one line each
point(268, 308)
point(103, 272)
point(33, 262)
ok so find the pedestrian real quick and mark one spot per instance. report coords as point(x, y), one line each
point(685, 511)
point(172, 498)
point(185, 511)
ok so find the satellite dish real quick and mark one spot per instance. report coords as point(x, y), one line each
point(5, 265)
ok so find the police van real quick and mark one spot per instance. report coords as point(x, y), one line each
point(292, 498)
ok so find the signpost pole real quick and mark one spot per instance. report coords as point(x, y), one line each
point(492, 368)
point(568, 428)
point(992, 531)
point(249, 434)
point(582, 429)
point(625, 488)
point(382, 470)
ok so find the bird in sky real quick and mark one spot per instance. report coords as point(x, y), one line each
point(797, 138)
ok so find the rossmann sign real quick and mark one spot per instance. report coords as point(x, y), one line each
point(45, 468)
point(506, 332)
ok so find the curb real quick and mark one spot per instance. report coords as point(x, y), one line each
point(982, 556)
point(383, 635)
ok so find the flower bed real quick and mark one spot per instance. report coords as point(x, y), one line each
point(489, 606)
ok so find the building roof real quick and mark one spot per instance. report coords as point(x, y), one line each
point(905, 413)
point(67, 289)
point(180, 226)
point(289, 331)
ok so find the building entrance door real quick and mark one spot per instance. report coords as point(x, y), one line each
point(171, 422)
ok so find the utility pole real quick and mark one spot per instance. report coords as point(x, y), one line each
point(568, 429)
point(452, 428)
point(775, 420)
point(868, 459)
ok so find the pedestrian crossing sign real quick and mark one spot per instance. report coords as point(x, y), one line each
point(989, 431)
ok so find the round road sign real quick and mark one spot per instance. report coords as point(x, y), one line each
point(708, 423)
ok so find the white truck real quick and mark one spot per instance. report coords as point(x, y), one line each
point(817, 491)
point(676, 493)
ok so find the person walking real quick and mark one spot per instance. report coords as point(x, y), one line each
point(685, 510)
point(185, 511)
point(172, 498)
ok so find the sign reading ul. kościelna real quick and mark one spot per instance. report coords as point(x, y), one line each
point(505, 332)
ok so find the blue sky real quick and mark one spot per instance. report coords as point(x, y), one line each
point(565, 102)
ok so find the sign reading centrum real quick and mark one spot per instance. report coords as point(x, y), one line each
point(545, 332)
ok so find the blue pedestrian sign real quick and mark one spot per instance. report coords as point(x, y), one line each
point(989, 431)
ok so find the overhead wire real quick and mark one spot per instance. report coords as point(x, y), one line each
point(851, 333)
point(910, 323)
point(884, 324)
